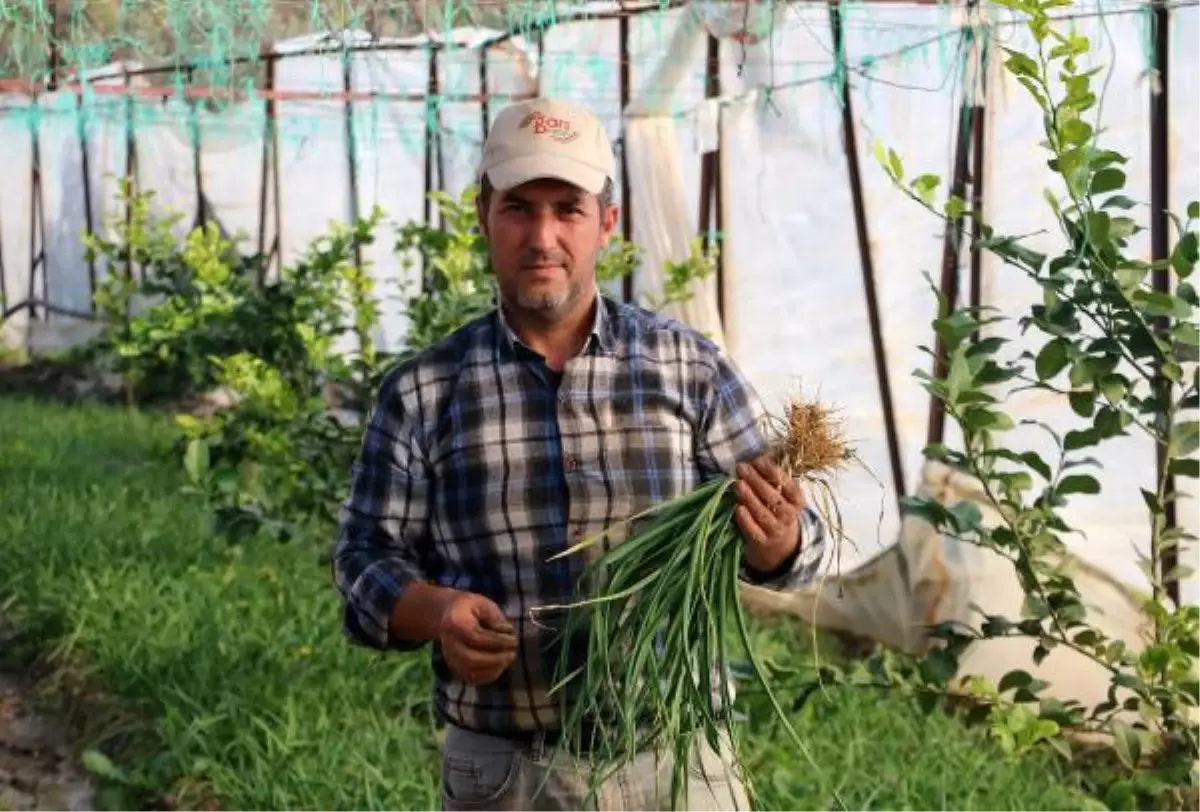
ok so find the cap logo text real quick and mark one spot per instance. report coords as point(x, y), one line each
point(553, 127)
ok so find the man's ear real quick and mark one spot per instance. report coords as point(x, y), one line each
point(608, 222)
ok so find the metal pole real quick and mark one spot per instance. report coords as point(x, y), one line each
point(130, 174)
point(952, 246)
point(36, 223)
point(484, 106)
point(351, 155)
point(710, 171)
point(626, 192)
point(85, 167)
point(866, 259)
point(431, 92)
point(268, 124)
point(1160, 173)
point(197, 169)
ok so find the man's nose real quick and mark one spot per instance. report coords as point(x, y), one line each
point(543, 232)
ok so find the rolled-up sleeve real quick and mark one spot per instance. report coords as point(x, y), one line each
point(384, 522)
point(732, 432)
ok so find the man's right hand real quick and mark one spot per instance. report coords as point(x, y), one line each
point(478, 642)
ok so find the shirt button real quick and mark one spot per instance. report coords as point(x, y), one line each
point(571, 462)
point(577, 533)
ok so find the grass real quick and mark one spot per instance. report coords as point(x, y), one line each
point(217, 676)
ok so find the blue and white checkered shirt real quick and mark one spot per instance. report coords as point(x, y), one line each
point(479, 464)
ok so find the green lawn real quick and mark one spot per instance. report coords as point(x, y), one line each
point(219, 674)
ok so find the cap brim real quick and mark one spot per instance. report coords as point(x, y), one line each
point(513, 173)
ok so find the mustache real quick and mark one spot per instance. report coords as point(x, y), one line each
point(533, 259)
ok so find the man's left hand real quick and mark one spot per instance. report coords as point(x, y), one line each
point(768, 513)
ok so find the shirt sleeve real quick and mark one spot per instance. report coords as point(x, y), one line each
point(384, 523)
point(731, 431)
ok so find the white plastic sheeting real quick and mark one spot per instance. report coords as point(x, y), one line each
point(796, 314)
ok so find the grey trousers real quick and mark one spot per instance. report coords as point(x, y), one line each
point(486, 772)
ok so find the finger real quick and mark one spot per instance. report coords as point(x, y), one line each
point(485, 676)
point(478, 638)
point(472, 661)
point(768, 470)
point(499, 626)
point(775, 477)
point(749, 527)
point(468, 630)
point(471, 625)
point(490, 617)
point(766, 504)
point(764, 488)
point(763, 517)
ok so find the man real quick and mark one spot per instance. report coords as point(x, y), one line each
point(546, 421)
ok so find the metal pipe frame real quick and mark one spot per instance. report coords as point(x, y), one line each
point(866, 259)
point(1160, 250)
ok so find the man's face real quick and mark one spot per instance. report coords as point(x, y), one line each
point(544, 237)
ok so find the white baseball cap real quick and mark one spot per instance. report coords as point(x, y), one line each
point(547, 138)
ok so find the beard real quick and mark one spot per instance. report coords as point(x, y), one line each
point(547, 302)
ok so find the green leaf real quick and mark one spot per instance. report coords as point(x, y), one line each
point(1080, 438)
point(1130, 277)
point(1113, 388)
point(939, 666)
point(1107, 180)
point(1122, 227)
point(954, 208)
point(978, 419)
point(1156, 303)
point(894, 164)
point(1185, 439)
point(1193, 209)
point(1152, 501)
point(1098, 225)
point(1083, 372)
point(1040, 653)
point(1127, 744)
point(1009, 248)
point(1036, 463)
point(1078, 483)
point(1187, 334)
point(1083, 401)
point(925, 508)
point(1020, 64)
point(1186, 254)
point(1052, 359)
point(1075, 132)
point(196, 461)
point(996, 626)
point(959, 376)
point(102, 766)
point(1118, 202)
point(1186, 468)
point(966, 516)
point(1014, 679)
point(924, 186)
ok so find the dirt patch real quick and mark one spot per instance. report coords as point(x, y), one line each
point(38, 769)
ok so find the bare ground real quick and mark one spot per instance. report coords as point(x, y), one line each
point(38, 769)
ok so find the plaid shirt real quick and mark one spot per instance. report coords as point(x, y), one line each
point(478, 464)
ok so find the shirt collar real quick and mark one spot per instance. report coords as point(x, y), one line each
point(600, 337)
